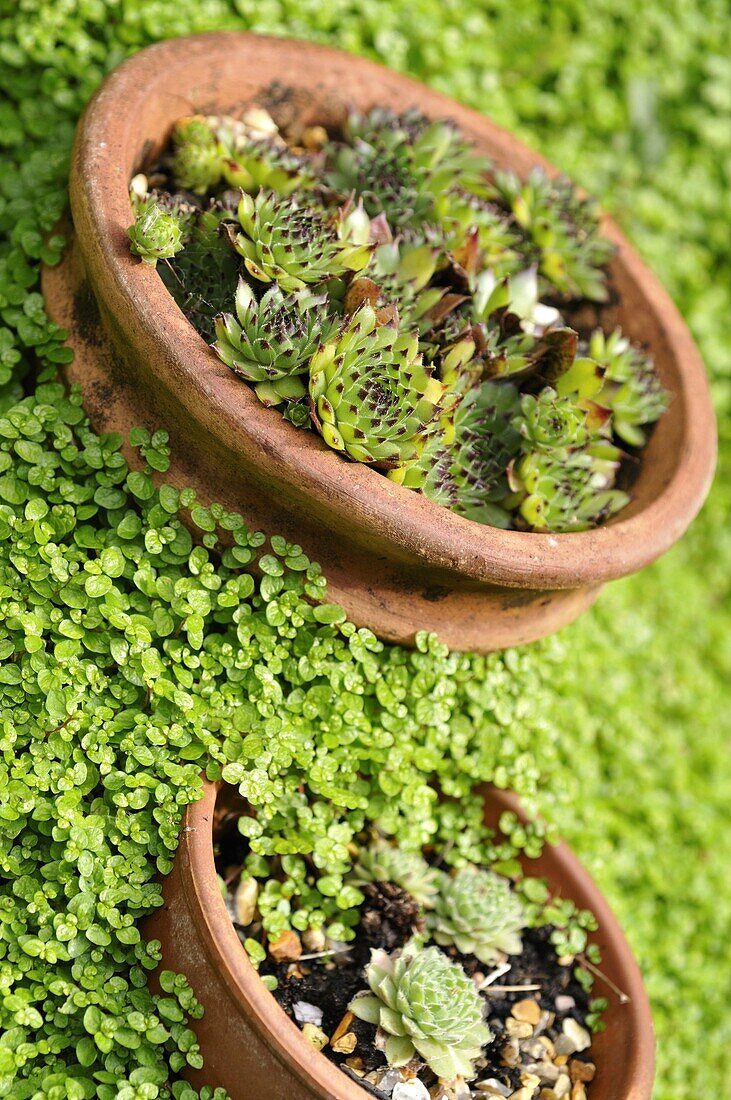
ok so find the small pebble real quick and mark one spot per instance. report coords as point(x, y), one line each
point(546, 1020)
point(510, 1053)
point(576, 1034)
point(528, 1011)
point(518, 1030)
point(346, 1044)
point(305, 1013)
point(530, 1080)
point(564, 1003)
point(546, 1072)
point(314, 137)
point(342, 1027)
point(451, 1090)
point(534, 1049)
point(287, 948)
point(245, 900)
point(390, 1078)
point(578, 1092)
point(562, 1086)
point(492, 1087)
point(523, 1094)
point(315, 1035)
point(314, 939)
point(546, 1094)
point(581, 1071)
point(357, 1065)
point(259, 121)
point(410, 1090)
point(548, 1044)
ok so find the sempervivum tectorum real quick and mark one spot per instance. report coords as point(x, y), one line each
point(197, 160)
point(270, 343)
point(384, 862)
point(293, 245)
point(567, 491)
point(267, 164)
point(478, 913)
point(468, 472)
point(371, 396)
point(156, 234)
point(427, 1007)
point(563, 479)
point(632, 389)
point(399, 163)
point(561, 232)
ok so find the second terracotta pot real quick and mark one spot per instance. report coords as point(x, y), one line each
point(256, 1052)
point(397, 562)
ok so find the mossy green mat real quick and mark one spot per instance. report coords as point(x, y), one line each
point(634, 102)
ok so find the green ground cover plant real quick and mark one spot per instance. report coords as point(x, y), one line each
point(632, 700)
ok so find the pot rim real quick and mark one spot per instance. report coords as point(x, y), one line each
point(380, 512)
point(281, 1034)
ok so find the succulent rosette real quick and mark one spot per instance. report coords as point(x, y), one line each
point(266, 164)
point(291, 244)
point(269, 343)
point(155, 234)
point(567, 492)
point(427, 1007)
point(468, 470)
point(398, 164)
point(371, 395)
point(560, 228)
point(198, 155)
point(478, 913)
point(384, 862)
point(631, 390)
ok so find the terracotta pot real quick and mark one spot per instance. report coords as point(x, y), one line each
point(253, 1049)
point(397, 562)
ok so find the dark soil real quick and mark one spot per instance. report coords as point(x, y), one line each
point(331, 984)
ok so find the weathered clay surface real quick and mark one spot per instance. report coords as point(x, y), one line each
point(397, 562)
point(254, 1050)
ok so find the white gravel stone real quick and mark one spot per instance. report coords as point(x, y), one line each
point(492, 1087)
point(305, 1013)
point(578, 1036)
point(410, 1090)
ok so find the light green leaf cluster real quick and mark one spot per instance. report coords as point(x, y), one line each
point(427, 1007)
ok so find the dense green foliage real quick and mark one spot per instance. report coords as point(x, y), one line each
point(634, 103)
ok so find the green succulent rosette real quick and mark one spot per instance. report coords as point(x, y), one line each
point(567, 492)
point(371, 395)
point(478, 913)
point(155, 234)
point(270, 342)
point(564, 478)
point(467, 470)
point(427, 1007)
point(197, 162)
point(384, 862)
point(560, 230)
point(631, 390)
point(293, 245)
point(266, 165)
point(398, 164)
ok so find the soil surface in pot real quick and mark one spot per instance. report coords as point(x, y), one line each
point(536, 1031)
